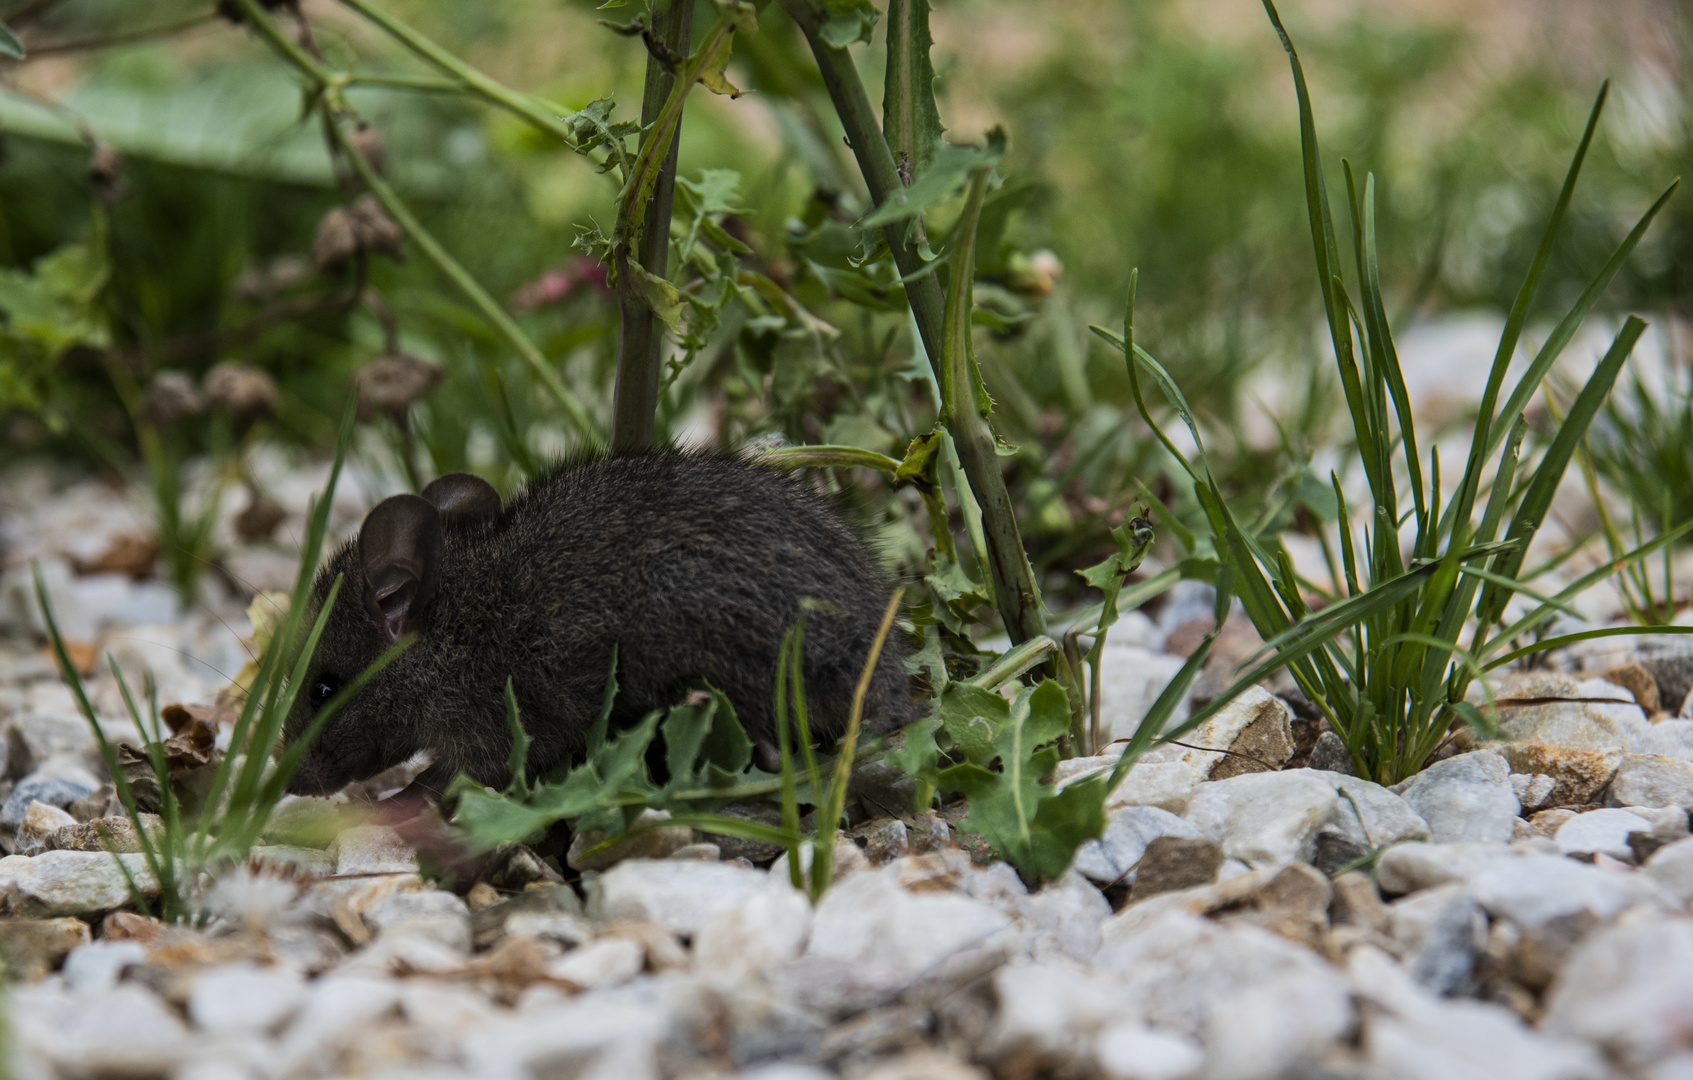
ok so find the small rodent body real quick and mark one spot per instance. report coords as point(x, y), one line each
point(693, 565)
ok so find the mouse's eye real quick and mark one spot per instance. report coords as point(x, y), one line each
point(324, 687)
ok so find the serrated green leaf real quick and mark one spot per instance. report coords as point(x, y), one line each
point(715, 192)
point(9, 43)
point(951, 166)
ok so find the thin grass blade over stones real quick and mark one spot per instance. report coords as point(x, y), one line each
point(251, 779)
point(1385, 660)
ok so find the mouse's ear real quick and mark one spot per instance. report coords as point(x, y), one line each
point(464, 496)
point(400, 547)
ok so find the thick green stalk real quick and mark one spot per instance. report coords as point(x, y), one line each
point(881, 175)
point(640, 341)
point(1015, 591)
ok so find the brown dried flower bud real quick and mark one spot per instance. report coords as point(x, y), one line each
point(337, 241)
point(241, 389)
point(105, 174)
point(262, 281)
point(377, 231)
point(391, 383)
point(171, 397)
point(360, 226)
point(367, 142)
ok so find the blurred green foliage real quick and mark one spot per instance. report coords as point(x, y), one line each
point(1155, 134)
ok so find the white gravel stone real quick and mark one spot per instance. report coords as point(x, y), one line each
point(1053, 1011)
point(372, 849)
point(97, 966)
point(1205, 742)
point(245, 998)
point(744, 940)
point(1602, 830)
point(1179, 969)
point(45, 788)
point(589, 1038)
point(1259, 1032)
point(1588, 725)
point(1535, 889)
point(1467, 797)
point(1628, 988)
point(1127, 832)
point(1168, 785)
point(1670, 738)
point(1649, 780)
point(1409, 1035)
point(70, 882)
point(1532, 789)
point(1063, 919)
point(1368, 814)
point(1440, 933)
point(340, 1008)
point(1407, 868)
point(432, 913)
point(894, 936)
point(1130, 680)
point(1671, 869)
point(1132, 1052)
point(122, 1032)
point(1264, 819)
point(37, 830)
point(679, 895)
point(785, 1072)
point(609, 961)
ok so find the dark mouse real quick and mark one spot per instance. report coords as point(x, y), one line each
point(693, 565)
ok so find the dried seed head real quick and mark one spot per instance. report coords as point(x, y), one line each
point(262, 281)
point(337, 241)
point(171, 397)
point(105, 174)
point(390, 384)
point(362, 225)
point(367, 142)
point(241, 389)
point(376, 230)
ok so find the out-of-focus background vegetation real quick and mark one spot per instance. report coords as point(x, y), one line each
point(1153, 133)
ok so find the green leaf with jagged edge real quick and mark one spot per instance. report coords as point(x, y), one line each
point(1134, 539)
point(9, 43)
point(951, 166)
point(922, 459)
point(55, 304)
point(1008, 748)
point(911, 122)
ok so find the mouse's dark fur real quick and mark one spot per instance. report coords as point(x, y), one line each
point(692, 564)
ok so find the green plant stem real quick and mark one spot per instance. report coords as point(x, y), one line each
point(881, 175)
point(1015, 592)
point(541, 114)
point(640, 341)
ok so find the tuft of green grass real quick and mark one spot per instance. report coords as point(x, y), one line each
point(253, 776)
point(1385, 658)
